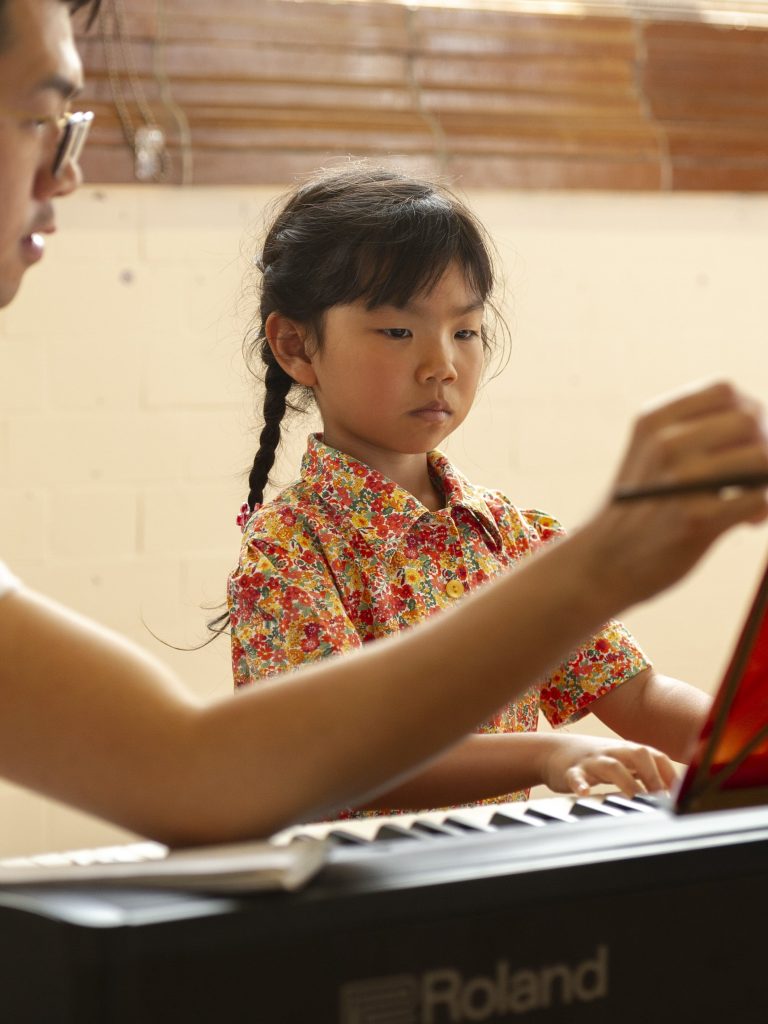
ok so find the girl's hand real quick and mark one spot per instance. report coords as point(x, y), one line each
point(638, 548)
point(579, 762)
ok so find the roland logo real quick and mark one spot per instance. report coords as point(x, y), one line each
point(447, 996)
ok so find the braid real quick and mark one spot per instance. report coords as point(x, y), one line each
point(277, 383)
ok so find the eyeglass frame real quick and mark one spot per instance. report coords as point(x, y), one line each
point(74, 131)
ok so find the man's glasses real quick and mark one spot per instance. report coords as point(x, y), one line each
point(74, 132)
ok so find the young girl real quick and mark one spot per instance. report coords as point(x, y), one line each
point(375, 300)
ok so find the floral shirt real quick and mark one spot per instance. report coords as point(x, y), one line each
point(345, 556)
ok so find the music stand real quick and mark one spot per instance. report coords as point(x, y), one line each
point(729, 767)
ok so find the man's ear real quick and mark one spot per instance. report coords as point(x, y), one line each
point(290, 344)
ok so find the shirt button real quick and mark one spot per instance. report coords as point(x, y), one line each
point(454, 588)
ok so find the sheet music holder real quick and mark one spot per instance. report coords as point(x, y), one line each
point(729, 767)
point(231, 867)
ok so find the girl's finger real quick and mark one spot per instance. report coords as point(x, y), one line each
point(606, 768)
point(646, 765)
point(576, 781)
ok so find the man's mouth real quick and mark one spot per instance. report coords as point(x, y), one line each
point(33, 247)
point(33, 244)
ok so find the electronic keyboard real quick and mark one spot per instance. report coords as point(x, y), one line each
point(596, 910)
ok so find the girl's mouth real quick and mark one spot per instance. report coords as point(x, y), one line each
point(435, 412)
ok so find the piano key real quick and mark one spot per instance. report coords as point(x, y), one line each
point(625, 803)
point(393, 831)
point(452, 822)
point(549, 816)
point(586, 807)
point(465, 825)
point(433, 828)
point(502, 820)
point(346, 838)
point(654, 800)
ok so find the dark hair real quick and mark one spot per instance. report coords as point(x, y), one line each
point(74, 5)
point(361, 232)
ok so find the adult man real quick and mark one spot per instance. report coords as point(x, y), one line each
point(88, 718)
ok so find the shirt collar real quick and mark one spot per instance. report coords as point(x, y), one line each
point(460, 493)
point(378, 508)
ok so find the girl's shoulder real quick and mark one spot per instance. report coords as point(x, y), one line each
point(501, 507)
point(290, 507)
point(507, 514)
point(282, 535)
point(545, 525)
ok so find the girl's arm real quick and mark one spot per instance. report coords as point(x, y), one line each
point(88, 718)
point(490, 765)
point(652, 708)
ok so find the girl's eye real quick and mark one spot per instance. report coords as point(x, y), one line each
point(466, 335)
point(397, 332)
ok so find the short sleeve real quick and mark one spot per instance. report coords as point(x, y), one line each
point(8, 582)
point(285, 611)
point(605, 661)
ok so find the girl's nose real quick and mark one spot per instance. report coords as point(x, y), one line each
point(437, 363)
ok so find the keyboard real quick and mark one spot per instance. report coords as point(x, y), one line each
point(598, 911)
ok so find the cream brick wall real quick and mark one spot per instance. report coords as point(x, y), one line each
point(127, 419)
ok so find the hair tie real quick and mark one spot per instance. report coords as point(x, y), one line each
point(245, 514)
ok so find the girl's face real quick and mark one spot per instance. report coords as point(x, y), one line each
point(391, 382)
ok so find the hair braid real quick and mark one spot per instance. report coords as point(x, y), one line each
point(277, 383)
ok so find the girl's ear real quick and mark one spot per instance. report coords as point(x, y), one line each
point(289, 342)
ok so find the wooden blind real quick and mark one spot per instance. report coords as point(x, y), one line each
point(596, 95)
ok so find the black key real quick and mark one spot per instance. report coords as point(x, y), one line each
point(622, 803)
point(548, 819)
point(339, 835)
point(501, 820)
point(392, 831)
point(465, 826)
point(432, 828)
point(649, 800)
point(583, 809)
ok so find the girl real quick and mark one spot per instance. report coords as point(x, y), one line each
point(376, 295)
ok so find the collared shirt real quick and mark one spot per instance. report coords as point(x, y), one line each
point(345, 556)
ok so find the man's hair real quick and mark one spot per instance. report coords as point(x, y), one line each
point(74, 5)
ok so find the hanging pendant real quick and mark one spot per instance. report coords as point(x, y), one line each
point(149, 153)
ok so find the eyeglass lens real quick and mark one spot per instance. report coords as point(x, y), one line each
point(76, 128)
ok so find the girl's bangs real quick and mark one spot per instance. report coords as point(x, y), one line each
point(396, 265)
